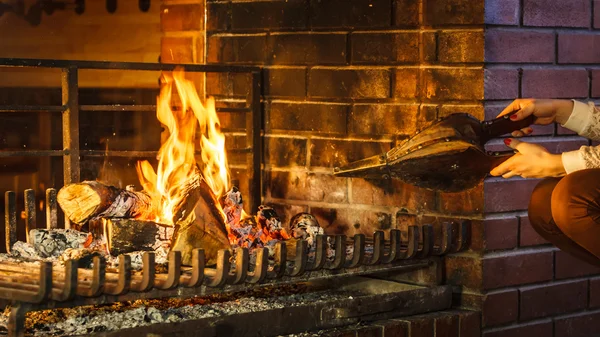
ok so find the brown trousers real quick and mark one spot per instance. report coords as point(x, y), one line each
point(566, 212)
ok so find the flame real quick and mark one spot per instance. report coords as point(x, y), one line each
point(176, 158)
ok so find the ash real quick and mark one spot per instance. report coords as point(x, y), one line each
point(90, 319)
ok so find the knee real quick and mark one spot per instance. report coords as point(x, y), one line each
point(576, 195)
point(539, 204)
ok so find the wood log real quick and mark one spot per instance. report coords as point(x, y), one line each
point(131, 235)
point(199, 224)
point(87, 200)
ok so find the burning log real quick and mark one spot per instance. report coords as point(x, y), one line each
point(130, 235)
point(199, 223)
point(88, 200)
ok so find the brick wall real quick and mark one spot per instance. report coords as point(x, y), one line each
point(344, 80)
point(523, 285)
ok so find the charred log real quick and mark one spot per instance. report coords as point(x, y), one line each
point(87, 200)
point(130, 235)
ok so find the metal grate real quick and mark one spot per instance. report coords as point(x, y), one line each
point(71, 108)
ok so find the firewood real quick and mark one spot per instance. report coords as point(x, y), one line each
point(87, 200)
point(130, 235)
point(199, 223)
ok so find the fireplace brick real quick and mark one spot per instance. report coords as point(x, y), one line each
point(285, 152)
point(307, 48)
point(453, 84)
point(557, 83)
point(218, 14)
point(319, 118)
point(541, 329)
point(351, 221)
point(285, 82)
point(596, 83)
point(500, 307)
point(287, 211)
point(331, 152)
point(463, 203)
point(528, 236)
point(268, 15)
point(406, 83)
point(378, 48)
point(553, 299)
point(406, 13)
point(453, 12)
point(567, 266)
point(496, 234)
point(501, 83)
point(350, 13)
point(391, 193)
point(557, 13)
point(237, 49)
point(465, 271)
point(177, 49)
point(519, 46)
point(578, 48)
point(581, 324)
point(460, 47)
point(502, 12)
point(384, 119)
point(307, 186)
point(517, 269)
point(429, 48)
point(184, 17)
point(349, 83)
point(476, 111)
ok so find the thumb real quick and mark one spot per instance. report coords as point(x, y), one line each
point(523, 113)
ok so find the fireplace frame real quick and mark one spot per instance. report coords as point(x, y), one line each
point(71, 109)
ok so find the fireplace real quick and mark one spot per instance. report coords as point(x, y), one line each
point(300, 87)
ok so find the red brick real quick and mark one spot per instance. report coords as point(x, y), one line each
point(314, 117)
point(421, 326)
point(518, 46)
point(307, 186)
point(188, 17)
point(385, 48)
point(237, 49)
point(505, 195)
point(501, 83)
point(594, 293)
point(446, 326)
point(502, 12)
point(460, 46)
point(554, 299)
point(557, 13)
point(358, 83)
point(392, 193)
point(371, 331)
point(516, 269)
point(302, 48)
point(586, 324)
point(596, 81)
point(500, 233)
point(453, 12)
point(555, 83)
point(351, 13)
point(391, 119)
point(500, 307)
point(453, 84)
point(268, 15)
point(528, 236)
point(469, 323)
point(596, 14)
point(538, 329)
point(578, 48)
point(568, 266)
point(176, 49)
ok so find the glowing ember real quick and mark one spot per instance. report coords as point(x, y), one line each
point(176, 157)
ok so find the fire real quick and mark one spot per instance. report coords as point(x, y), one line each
point(191, 126)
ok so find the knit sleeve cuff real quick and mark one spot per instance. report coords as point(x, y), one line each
point(580, 118)
point(573, 161)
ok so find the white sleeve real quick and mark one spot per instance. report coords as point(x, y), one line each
point(585, 120)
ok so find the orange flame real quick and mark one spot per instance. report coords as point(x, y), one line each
point(176, 157)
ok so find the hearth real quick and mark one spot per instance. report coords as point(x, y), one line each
point(356, 266)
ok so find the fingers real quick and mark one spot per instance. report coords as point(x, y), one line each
point(510, 174)
point(526, 110)
point(503, 168)
point(522, 132)
point(514, 106)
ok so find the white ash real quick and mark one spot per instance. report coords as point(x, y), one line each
point(54, 242)
point(305, 226)
point(86, 320)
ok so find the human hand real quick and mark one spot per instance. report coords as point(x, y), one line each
point(546, 111)
point(531, 161)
